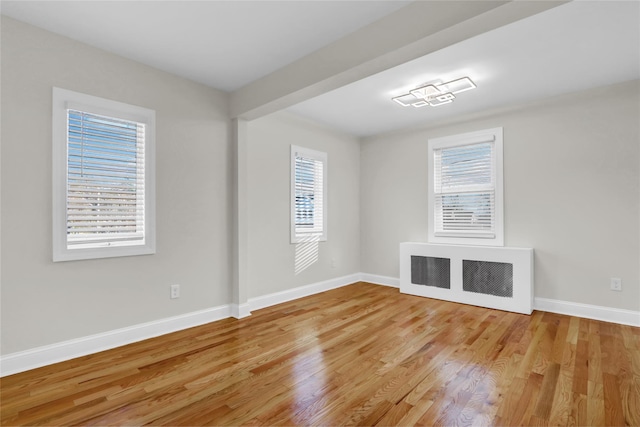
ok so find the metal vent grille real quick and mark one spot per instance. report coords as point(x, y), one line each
point(430, 271)
point(490, 278)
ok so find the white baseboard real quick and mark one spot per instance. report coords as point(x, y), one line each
point(59, 352)
point(301, 291)
point(240, 310)
point(595, 312)
point(46, 355)
point(393, 282)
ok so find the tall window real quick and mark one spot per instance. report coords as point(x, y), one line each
point(308, 195)
point(103, 178)
point(465, 195)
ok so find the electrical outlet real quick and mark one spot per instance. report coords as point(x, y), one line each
point(333, 263)
point(175, 291)
point(616, 284)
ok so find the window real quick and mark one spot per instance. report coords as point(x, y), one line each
point(308, 195)
point(103, 178)
point(465, 195)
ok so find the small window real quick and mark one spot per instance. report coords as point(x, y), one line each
point(103, 178)
point(308, 195)
point(465, 195)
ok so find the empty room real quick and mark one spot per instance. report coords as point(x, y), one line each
point(320, 213)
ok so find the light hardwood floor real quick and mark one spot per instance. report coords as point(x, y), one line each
point(358, 355)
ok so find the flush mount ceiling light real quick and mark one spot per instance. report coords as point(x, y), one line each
point(435, 94)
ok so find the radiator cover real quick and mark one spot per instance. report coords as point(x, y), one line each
point(493, 277)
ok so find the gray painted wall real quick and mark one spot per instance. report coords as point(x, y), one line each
point(45, 302)
point(572, 192)
point(272, 258)
point(571, 164)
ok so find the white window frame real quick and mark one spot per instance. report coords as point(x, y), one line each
point(496, 237)
point(63, 100)
point(320, 232)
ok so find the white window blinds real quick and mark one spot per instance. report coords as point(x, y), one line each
point(105, 180)
point(465, 193)
point(308, 201)
point(308, 190)
point(103, 177)
point(465, 189)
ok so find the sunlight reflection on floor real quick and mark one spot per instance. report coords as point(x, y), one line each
point(308, 387)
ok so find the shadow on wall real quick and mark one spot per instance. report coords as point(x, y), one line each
point(306, 252)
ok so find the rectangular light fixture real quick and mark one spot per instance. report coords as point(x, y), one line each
point(435, 94)
point(456, 86)
point(405, 100)
point(426, 92)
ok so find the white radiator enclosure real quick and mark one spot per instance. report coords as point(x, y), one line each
point(493, 277)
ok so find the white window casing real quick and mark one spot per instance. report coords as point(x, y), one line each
point(308, 195)
point(466, 189)
point(103, 178)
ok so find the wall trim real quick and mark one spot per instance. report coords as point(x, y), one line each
point(393, 282)
point(595, 312)
point(588, 311)
point(21, 361)
point(59, 352)
point(240, 311)
point(302, 291)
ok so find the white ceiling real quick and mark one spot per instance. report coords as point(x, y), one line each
point(576, 46)
point(228, 44)
point(223, 44)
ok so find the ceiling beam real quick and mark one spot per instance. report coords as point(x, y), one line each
point(416, 30)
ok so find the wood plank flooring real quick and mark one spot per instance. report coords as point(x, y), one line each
point(359, 355)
